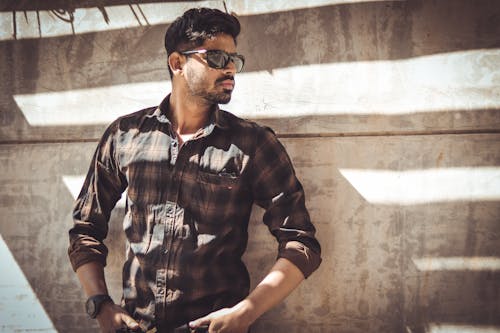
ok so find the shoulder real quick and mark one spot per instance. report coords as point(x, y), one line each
point(244, 126)
point(130, 121)
point(124, 125)
point(259, 141)
point(135, 119)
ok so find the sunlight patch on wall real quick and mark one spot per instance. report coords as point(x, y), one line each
point(456, 328)
point(263, 7)
point(359, 88)
point(6, 26)
point(414, 187)
point(74, 185)
point(386, 87)
point(20, 309)
point(457, 264)
point(51, 23)
point(89, 106)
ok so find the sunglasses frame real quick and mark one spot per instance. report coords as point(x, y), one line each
point(231, 57)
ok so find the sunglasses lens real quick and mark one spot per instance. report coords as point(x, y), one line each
point(220, 59)
point(238, 61)
point(217, 59)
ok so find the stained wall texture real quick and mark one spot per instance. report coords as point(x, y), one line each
point(390, 111)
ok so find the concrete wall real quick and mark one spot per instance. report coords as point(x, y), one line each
point(390, 111)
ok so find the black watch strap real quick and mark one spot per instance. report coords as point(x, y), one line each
point(94, 303)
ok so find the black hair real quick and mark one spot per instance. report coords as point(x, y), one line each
point(197, 25)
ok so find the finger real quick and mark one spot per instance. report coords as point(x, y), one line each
point(130, 322)
point(200, 329)
point(205, 321)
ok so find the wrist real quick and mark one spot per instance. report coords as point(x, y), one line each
point(246, 311)
point(95, 303)
point(107, 311)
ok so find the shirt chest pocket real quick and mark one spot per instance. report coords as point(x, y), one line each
point(216, 193)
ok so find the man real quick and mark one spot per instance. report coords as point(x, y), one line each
point(192, 173)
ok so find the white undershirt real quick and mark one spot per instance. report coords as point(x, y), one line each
point(186, 137)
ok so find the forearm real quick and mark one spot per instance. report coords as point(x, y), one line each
point(91, 276)
point(111, 316)
point(283, 278)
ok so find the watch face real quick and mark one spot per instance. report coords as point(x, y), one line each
point(93, 304)
point(90, 307)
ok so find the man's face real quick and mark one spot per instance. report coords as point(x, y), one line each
point(213, 85)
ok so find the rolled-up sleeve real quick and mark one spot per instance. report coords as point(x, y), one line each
point(101, 190)
point(276, 188)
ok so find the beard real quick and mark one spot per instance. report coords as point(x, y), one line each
point(198, 86)
point(218, 98)
point(213, 97)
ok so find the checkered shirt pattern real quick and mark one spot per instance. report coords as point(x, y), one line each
point(187, 211)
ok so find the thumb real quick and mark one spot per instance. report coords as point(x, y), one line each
point(130, 322)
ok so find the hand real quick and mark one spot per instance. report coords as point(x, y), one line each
point(112, 317)
point(227, 320)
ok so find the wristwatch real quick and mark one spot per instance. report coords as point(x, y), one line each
point(94, 303)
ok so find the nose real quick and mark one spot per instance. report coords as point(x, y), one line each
point(230, 68)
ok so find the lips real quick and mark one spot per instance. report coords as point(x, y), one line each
point(226, 82)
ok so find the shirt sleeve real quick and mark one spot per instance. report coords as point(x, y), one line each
point(101, 190)
point(276, 188)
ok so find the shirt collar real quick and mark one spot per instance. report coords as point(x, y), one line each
point(217, 116)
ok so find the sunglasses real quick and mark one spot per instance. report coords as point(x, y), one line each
point(219, 59)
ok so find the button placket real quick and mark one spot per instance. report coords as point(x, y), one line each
point(175, 150)
point(169, 222)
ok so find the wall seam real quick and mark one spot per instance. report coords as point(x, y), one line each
point(296, 136)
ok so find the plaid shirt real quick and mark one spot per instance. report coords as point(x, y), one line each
point(187, 211)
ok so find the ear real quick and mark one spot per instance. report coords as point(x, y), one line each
point(176, 62)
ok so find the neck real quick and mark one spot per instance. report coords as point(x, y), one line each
point(188, 115)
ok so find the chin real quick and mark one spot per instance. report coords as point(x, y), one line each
point(222, 98)
point(226, 98)
point(225, 101)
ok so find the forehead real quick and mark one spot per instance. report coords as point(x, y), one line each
point(220, 42)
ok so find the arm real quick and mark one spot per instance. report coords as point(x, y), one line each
point(101, 190)
point(111, 316)
point(283, 278)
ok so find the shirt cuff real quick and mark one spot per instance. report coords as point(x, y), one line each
point(301, 256)
point(82, 259)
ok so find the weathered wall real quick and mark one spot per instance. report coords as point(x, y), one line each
point(390, 113)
